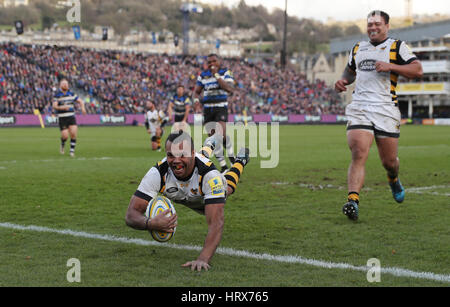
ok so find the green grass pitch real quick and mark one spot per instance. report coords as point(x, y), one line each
point(293, 209)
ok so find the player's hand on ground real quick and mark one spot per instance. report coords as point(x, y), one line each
point(163, 222)
point(341, 86)
point(197, 265)
point(382, 66)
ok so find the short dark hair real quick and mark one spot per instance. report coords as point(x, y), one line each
point(380, 13)
point(179, 137)
point(212, 54)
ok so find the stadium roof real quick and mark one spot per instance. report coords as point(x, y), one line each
point(429, 31)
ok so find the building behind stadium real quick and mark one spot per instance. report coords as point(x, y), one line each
point(425, 98)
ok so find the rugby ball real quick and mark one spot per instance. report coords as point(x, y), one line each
point(161, 114)
point(156, 206)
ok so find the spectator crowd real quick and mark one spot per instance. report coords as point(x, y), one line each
point(113, 82)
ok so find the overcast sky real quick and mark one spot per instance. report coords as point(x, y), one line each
point(345, 9)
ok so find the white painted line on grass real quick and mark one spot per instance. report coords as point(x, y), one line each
point(67, 158)
point(417, 190)
point(310, 186)
point(57, 160)
point(426, 190)
point(399, 272)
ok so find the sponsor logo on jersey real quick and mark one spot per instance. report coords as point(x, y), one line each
point(367, 65)
point(172, 190)
point(216, 186)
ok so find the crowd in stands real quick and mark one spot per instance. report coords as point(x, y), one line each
point(113, 82)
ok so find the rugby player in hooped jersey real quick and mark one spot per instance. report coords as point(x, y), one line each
point(64, 105)
point(190, 179)
point(216, 83)
point(374, 114)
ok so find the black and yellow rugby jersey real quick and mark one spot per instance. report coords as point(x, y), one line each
point(205, 186)
point(372, 86)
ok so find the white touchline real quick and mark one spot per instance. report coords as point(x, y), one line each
point(55, 160)
point(236, 253)
point(62, 159)
point(416, 190)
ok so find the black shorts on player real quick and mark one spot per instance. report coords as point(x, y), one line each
point(65, 122)
point(215, 114)
point(178, 118)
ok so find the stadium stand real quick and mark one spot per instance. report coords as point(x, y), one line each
point(117, 82)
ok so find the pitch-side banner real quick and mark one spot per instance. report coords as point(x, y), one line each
point(10, 120)
point(7, 120)
point(138, 119)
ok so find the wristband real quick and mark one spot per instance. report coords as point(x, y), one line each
point(216, 75)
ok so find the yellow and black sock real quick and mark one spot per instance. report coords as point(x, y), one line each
point(233, 175)
point(206, 151)
point(353, 196)
point(392, 179)
point(158, 141)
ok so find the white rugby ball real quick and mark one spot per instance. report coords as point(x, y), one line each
point(156, 206)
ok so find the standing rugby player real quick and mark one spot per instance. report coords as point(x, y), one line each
point(216, 83)
point(154, 122)
point(64, 105)
point(375, 65)
point(180, 105)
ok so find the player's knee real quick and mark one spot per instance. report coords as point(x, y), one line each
point(389, 163)
point(359, 153)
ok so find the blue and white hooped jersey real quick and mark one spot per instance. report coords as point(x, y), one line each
point(213, 95)
point(179, 104)
point(66, 99)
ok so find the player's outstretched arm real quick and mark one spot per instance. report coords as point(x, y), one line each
point(136, 219)
point(186, 114)
point(83, 109)
point(169, 111)
point(215, 218)
point(196, 98)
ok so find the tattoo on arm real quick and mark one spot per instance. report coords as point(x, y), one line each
point(349, 75)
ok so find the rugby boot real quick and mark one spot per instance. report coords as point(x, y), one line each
point(351, 210)
point(398, 192)
point(243, 156)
